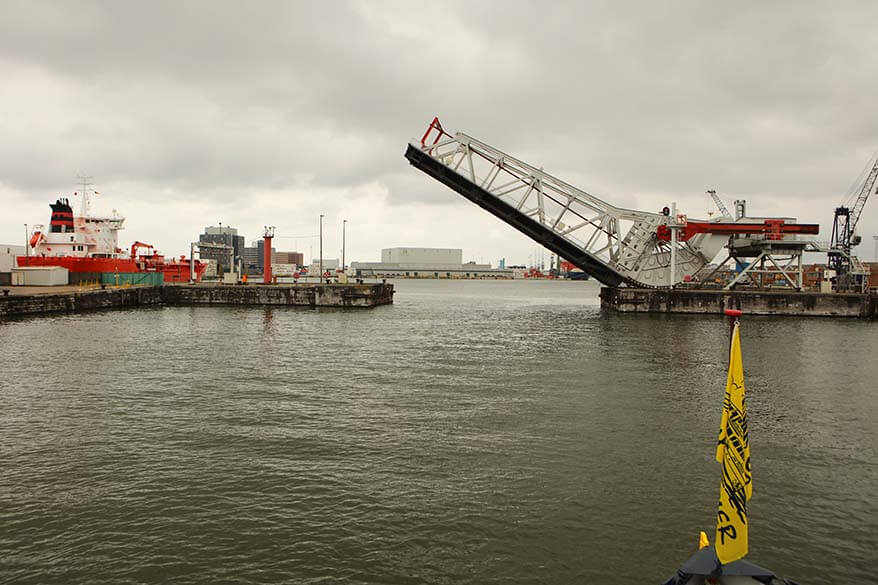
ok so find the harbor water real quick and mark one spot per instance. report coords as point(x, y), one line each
point(474, 432)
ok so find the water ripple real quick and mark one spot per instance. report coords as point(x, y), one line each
point(474, 432)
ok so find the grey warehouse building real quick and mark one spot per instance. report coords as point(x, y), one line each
point(425, 263)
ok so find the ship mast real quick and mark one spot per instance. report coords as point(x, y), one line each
point(85, 186)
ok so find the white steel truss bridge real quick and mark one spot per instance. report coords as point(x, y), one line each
point(613, 244)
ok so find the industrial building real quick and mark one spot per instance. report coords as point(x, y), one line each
point(250, 257)
point(294, 258)
point(422, 256)
point(254, 259)
point(425, 263)
point(223, 245)
point(330, 264)
point(823, 278)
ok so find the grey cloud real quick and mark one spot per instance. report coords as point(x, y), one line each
point(635, 102)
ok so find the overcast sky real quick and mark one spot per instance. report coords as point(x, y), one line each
point(252, 113)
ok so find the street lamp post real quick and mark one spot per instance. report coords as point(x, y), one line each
point(220, 257)
point(321, 248)
point(343, 224)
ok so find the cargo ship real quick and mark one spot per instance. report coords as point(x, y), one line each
point(89, 244)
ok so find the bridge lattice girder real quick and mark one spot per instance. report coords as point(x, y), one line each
point(612, 244)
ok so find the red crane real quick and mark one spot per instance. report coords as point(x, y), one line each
point(136, 245)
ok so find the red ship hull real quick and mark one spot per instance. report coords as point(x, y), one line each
point(173, 271)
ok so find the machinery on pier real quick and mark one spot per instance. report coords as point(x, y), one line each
point(613, 244)
point(850, 275)
point(761, 253)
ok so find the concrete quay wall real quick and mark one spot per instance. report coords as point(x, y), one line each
point(74, 302)
point(787, 303)
point(297, 295)
point(300, 295)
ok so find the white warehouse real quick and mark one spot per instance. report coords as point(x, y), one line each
point(425, 263)
point(422, 256)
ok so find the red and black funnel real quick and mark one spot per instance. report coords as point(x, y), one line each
point(62, 216)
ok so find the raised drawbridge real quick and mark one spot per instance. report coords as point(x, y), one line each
point(613, 244)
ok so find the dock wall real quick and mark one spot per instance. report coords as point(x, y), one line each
point(787, 303)
point(74, 302)
point(300, 295)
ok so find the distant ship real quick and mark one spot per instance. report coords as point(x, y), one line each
point(87, 243)
point(576, 275)
point(572, 272)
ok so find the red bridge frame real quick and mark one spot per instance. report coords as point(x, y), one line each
point(771, 229)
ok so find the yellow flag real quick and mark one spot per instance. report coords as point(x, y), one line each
point(733, 452)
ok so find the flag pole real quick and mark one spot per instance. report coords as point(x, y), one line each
point(733, 315)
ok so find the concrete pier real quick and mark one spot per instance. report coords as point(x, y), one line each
point(21, 301)
point(787, 303)
point(71, 300)
point(297, 295)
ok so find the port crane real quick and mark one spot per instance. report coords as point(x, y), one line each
point(849, 272)
point(719, 203)
point(614, 245)
point(140, 245)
